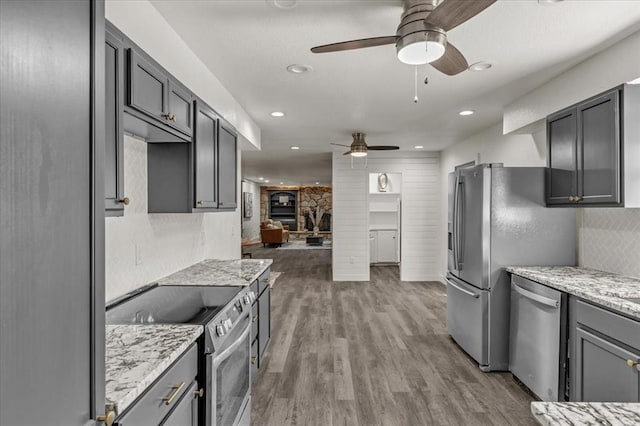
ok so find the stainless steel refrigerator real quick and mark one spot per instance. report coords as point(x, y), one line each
point(497, 217)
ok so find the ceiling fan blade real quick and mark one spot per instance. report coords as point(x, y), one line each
point(347, 153)
point(451, 13)
point(382, 147)
point(339, 144)
point(452, 62)
point(355, 44)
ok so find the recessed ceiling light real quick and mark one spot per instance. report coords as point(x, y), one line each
point(466, 112)
point(298, 68)
point(636, 81)
point(277, 114)
point(281, 183)
point(480, 66)
point(283, 4)
point(266, 181)
point(545, 2)
point(317, 183)
point(418, 146)
point(295, 147)
point(261, 178)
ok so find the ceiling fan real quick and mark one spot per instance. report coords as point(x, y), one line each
point(421, 37)
point(359, 147)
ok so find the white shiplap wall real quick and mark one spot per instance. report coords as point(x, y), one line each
point(420, 215)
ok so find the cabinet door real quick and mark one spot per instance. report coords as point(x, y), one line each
point(387, 248)
point(147, 87)
point(185, 413)
point(254, 359)
point(373, 246)
point(599, 150)
point(180, 107)
point(205, 157)
point(602, 372)
point(52, 212)
point(562, 180)
point(264, 322)
point(114, 137)
point(227, 174)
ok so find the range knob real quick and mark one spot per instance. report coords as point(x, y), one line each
point(252, 295)
point(220, 330)
point(246, 299)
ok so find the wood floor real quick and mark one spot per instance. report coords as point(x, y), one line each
point(364, 353)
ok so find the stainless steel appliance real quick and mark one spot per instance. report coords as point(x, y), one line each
point(538, 338)
point(497, 217)
point(225, 347)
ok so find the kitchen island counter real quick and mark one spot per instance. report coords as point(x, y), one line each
point(586, 413)
point(609, 290)
point(241, 272)
point(136, 355)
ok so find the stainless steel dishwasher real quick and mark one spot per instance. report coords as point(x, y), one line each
point(538, 338)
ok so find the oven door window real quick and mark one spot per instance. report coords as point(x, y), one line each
point(232, 384)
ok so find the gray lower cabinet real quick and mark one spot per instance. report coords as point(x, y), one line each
point(254, 359)
point(264, 314)
point(174, 390)
point(227, 168)
point(52, 212)
point(114, 137)
point(261, 318)
point(605, 355)
point(185, 413)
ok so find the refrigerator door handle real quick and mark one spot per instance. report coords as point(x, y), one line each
point(467, 292)
point(455, 223)
point(460, 227)
point(536, 297)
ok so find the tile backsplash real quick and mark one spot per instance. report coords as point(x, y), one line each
point(141, 247)
point(609, 240)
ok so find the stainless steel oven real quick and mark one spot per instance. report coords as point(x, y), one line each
point(228, 372)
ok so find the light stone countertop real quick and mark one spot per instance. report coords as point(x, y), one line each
point(241, 272)
point(586, 413)
point(602, 288)
point(136, 355)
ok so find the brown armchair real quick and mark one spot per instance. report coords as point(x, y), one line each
point(273, 233)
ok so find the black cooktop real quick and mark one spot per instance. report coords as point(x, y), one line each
point(171, 305)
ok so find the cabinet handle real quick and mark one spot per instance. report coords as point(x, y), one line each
point(124, 201)
point(108, 418)
point(198, 393)
point(170, 116)
point(254, 318)
point(254, 359)
point(221, 204)
point(176, 390)
point(199, 203)
point(632, 363)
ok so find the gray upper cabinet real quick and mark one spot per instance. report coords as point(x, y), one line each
point(156, 94)
point(52, 212)
point(586, 143)
point(114, 142)
point(204, 140)
point(562, 174)
point(227, 168)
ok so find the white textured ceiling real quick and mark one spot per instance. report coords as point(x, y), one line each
point(248, 45)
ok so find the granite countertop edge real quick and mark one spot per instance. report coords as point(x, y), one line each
point(586, 413)
point(603, 288)
point(123, 387)
point(216, 272)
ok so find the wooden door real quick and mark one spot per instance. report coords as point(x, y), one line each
point(52, 212)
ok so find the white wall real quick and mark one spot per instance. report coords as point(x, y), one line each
point(420, 215)
point(611, 67)
point(143, 24)
point(166, 242)
point(251, 226)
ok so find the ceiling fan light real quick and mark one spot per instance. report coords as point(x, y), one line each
point(358, 153)
point(421, 47)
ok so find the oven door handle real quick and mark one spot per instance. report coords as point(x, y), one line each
point(217, 360)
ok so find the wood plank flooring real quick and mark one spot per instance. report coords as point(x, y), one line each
point(367, 353)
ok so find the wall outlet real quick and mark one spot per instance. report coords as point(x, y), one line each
point(139, 257)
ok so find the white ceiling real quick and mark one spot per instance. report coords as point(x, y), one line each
point(248, 45)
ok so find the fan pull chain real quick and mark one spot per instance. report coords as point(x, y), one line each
point(415, 85)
